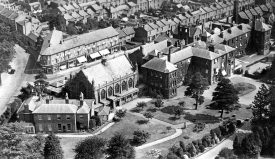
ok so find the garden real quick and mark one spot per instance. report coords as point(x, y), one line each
point(244, 88)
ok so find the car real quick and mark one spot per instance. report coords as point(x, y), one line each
point(12, 71)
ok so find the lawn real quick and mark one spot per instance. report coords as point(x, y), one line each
point(129, 124)
point(163, 147)
point(244, 88)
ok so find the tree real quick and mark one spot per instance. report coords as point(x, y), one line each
point(7, 53)
point(148, 115)
point(261, 103)
point(159, 103)
point(272, 70)
point(196, 87)
point(182, 103)
point(178, 112)
point(227, 154)
point(225, 95)
point(140, 137)
point(71, 29)
point(14, 143)
point(121, 113)
point(237, 146)
point(52, 147)
point(249, 146)
point(141, 105)
point(119, 147)
point(90, 148)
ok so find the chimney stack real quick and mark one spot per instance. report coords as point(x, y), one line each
point(66, 98)
point(81, 99)
point(47, 100)
point(169, 54)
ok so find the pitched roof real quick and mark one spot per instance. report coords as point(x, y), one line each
point(56, 109)
point(261, 26)
point(149, 47)
point(264, 8)
point(132, 4)
point(83, 39)
point(243, 15)
point(160, 65)
point(128, 30)
point(112, 69)
point(104, 111)
point(259, 10)
point(121, 33)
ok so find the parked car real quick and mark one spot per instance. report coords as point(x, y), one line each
point(11, 71)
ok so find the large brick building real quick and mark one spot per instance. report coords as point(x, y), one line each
point(160, 76)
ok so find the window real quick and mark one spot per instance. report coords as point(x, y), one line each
point(103, 94)
point(58, 117)
point(69, 127)
point(40, 127)
point(68, 117)
point(59, 127)
point(206, 71)
point(110, 91)
point(81, 116)
point(49, 117)
point(117, 88)
point(39, 117)
point(130, 82)
point(50, 127)
point(124, 86)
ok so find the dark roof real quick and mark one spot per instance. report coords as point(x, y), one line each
point(33, 37)
point(249, 15)
point(160, 65)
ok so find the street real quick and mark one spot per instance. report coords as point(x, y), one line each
point(11, 83)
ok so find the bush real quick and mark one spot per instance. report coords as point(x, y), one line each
point(97, 120)
point(199, 127)
point(140, 137)
point(171, 109)
point(141, 105)
point(120, 113)
point(226, 153)
point(92, 123)
point(231, 128)
point(216, 131)
point(202, 148)
point(186, 137)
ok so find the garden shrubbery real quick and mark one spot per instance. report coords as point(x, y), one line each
point(198, 146)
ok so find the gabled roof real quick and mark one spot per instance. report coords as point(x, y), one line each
point(249, 15)
point(121, 33)
point(96, 7)
point(160, 24)
point(253, 12)
point(83, 39)
point(243, 15)
point(207, 9)
point(153, 25)
point(259, 10)
point(160, 65)
point(147, 27)
point(129, 30)
point(104, 111)
point(83, 13)
point(131, 4)
point(112, 69)
point(264, 8)
point(165, 22)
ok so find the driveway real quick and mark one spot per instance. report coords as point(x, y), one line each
point(246, 99)
point(11, 83)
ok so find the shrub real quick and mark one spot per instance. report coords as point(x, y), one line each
point(202, 148)
point(92, 123)
point(168, 128)
point(136, 110)
point(186, 137)
point(207, 139)
point(205, 144)
point(141, 105)
point(140, 137)
point(239, 123)
point(171, 109)
point(195, 143)
point(182, 145)
point(120, 113)
point(159, 103)
point(226, 153)
point(216, 131)
point(97, 120)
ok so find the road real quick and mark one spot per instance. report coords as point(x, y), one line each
point(11, 83)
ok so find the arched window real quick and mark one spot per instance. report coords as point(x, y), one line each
point(124, 85)
point(110, 91)
point(117, 88)
point(103, 94)
point(130, 83)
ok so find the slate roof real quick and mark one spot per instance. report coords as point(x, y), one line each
point(243, 15)
point(259, 10)
point(160, 24)
point(253, 12)
point(121, 33)
point(207, 9)
point(264, 8)
point(160, 65)
point(153, 25)
point(96, 7)
point(56, 109)
point(147, 48)
point(249, 15)
point(129, 30)
point(131, 4)
point(80, 40)
point(33, 37)
point(112, 69)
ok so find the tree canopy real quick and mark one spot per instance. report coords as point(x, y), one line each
point(196, 87)
point(52, 147)
point(119, 147)
point(90, 148)
point(261, 103)
point(15, 143)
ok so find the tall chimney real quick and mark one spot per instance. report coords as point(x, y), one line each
point(47, 100)
point(66, 98)
point(169, 54)
point(81, 99)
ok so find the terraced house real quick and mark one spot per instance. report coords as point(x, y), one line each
point(59, 54)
